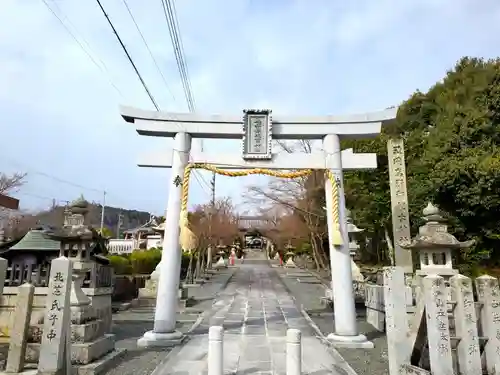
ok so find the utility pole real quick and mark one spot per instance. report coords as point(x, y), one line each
point(119, 224)
point(212, 187)
point(102, 210)
point(212, 206)
point(210, 218)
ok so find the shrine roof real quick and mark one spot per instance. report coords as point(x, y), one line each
point(35, 240)
point(139, 229)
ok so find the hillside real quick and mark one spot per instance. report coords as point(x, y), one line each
point(55, 217)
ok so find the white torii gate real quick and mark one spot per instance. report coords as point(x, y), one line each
point(256, 129)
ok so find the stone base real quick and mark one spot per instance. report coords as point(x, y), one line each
point(81, 353)
point(87, 332)
point(27, 371)
point(150, 289)
point(354, 342)
point(102, 365)
point(153, 339)
point(82, 314)
point(120, 306)
point(195, 285)
point(151, 302)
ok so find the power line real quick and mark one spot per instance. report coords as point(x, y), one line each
point(128, 56)
point(175, 36)
point(197, 177)
point(147, 46)
point(104, 71)
point(173, 28)
point(41, 197)
point(50, 176)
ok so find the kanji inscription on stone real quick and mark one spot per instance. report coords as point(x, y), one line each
point(56, 325)
point(399, 203)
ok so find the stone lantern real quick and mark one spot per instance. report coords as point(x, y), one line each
point(290, 255)
point(352, 231)
point(222, 261)
point(77, 243)
point(90, 325)
point(435, 245)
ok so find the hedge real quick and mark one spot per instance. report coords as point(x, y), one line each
point(145, 262)
point(120, 264)
point(142, 262)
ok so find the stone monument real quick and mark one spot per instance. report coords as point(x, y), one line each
point(90, 326)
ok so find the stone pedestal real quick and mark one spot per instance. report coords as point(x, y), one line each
point(90, 341)
point(221, 263)
point(147, 295)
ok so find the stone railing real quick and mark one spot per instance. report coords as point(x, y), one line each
point(451, 332)
point(375, 304)
point(57, 327)
point(100, 276)
point(121, 246)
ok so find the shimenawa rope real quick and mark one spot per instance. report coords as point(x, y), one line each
point(188, 239)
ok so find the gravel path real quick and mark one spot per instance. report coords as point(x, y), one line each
point(130, 325)
point(307, 292)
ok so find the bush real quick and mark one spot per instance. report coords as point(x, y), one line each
point(145, 261)
point(120, 264)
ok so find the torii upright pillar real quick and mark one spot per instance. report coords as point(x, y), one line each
point(256, 132)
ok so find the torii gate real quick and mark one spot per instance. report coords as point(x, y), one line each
point(257, 129)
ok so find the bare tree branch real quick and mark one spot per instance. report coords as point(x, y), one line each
point(11, 184)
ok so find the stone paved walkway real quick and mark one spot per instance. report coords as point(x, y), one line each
point(255, 310)
point(131, 324)
point(308, 291)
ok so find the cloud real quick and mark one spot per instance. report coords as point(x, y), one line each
point(60, 111)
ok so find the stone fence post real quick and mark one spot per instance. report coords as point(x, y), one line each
point(437, 321)
point(396, 320)
point(215, 350)
point(465, 318)
point(3, 273)
point(293, 352)
point(19, 330)
point(488, 293)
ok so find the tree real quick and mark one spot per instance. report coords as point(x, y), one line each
point(106, 232)
point(212, 225)
point(452, 146)
point(452, 143)
point(303, 198)
point(11, 183)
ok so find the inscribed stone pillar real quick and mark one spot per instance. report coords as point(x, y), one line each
point(399, 203)
point(56, 326)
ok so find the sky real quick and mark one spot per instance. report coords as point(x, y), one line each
point(60, 119)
